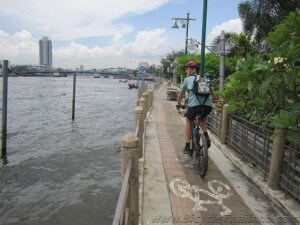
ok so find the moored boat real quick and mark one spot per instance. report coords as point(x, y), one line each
point(130, 85)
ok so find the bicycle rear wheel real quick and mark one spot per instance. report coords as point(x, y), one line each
point(202, 155)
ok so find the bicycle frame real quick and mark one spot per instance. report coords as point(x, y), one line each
point(200, 149)
point(196, 130)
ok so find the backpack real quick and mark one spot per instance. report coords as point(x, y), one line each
point(201, 88)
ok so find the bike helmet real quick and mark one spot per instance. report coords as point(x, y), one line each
point(192, 64)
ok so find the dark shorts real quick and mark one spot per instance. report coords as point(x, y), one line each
point(201, 110)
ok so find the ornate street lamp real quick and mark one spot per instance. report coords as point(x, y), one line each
point(175, 26)
point(184, 24)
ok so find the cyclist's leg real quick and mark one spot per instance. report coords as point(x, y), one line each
point(190, 116)
point(202, 124)
point(188, 130)
point(203, 112)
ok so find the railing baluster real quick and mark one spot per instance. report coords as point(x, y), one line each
point(119, 214)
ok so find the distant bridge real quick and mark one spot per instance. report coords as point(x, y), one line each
point(108, 71)
point(118, 70)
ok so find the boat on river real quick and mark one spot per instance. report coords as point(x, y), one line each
point(131, 85)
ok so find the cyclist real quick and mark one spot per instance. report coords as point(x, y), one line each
point(197, 105)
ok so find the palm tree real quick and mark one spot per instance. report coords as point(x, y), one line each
point(259, 17)
point(242, 42)
point(244, 45)
point(217, 39)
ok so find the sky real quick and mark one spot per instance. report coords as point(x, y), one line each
point(107, 33)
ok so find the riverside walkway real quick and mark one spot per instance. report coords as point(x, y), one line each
point(173, 192)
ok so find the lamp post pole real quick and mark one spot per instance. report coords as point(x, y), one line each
point(202, 56)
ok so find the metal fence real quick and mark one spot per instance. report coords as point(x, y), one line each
point(253, 143)
point(214, 121)
point(290, 174)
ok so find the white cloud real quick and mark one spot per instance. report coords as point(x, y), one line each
point(69, 19)
point(234, 25)
point(21, 48)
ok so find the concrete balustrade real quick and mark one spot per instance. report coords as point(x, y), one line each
point(139, 121)
point(142, 102)
point(132, 146)
point(157, 85)
point(140, 91)
point(224, 125)
point(151, 98)
point(277, 159)
point(146, 97)
point(129, 150)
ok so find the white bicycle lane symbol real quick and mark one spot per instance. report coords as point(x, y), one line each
point(183, 189)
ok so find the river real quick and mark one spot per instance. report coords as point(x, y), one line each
point(59, 171)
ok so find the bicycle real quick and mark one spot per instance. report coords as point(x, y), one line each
point(199, 146)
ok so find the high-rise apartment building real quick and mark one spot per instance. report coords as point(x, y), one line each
point(45, 52)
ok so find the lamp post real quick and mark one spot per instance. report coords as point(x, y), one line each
point(203, 38)
point(184, 23)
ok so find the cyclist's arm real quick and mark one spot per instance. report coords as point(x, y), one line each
point(181, 92)
point(180, 95)
point(214, 97)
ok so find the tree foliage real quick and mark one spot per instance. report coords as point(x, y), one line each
point(266, 89)
point(260, 16)
point(182, 60)
point(211, 64)
point(167, 62)
point(243, 45)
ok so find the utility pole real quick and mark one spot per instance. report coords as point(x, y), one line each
point(222, 60)
point(187, 32)
point(221, 49)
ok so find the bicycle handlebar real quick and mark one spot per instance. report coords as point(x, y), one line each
point(181, 106)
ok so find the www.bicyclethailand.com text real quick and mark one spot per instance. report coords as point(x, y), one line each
point(245, 219)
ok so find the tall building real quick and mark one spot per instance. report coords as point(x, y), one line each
point(45, 52)
point(81, 67)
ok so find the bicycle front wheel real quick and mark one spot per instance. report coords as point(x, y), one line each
point(202, 156)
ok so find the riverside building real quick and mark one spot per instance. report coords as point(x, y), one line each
point(45, 46)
